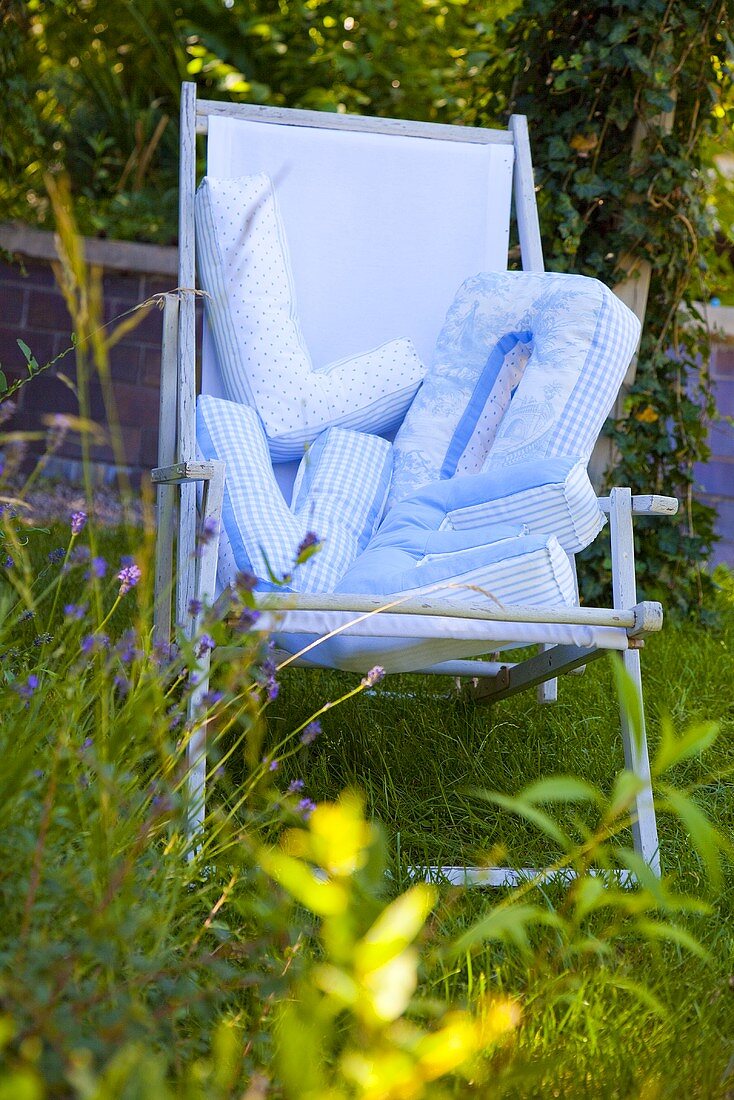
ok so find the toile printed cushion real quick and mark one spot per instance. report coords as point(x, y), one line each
point(526, 368)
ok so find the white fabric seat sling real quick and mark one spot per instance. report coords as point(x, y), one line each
point(385, 220)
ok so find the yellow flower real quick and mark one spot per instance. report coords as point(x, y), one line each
point(647, 415)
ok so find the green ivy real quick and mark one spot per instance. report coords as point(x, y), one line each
point(617, 178)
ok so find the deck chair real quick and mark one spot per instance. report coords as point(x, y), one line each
point(385, 219)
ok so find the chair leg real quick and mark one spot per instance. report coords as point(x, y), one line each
point(644, 827)
point(636, 759)
point(206, 573)
point(548, 690)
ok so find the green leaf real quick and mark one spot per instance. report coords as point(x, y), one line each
point(3, 382)
point(396, 927)
point(629, 698)
point(30, 358)
point(504, 924)
point(708, 841)
point(694, 741)
point(560, 788)
point(322, 897)
point(518, 805)
point(672, 933)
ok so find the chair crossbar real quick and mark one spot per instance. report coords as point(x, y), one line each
point(643, 618)
point(325, 120)
point(513, 876)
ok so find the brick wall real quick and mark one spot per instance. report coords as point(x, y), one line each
point(32, 308)
point(715, 478)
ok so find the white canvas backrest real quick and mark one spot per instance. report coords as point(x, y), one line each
point(382, 227)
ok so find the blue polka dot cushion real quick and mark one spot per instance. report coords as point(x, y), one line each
point(526, 369)
point(244, 268)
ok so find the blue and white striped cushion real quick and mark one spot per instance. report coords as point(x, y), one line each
point(251, 305)
point(414, 551)
point(553, 497)
point(340, 496)
point(583, 338)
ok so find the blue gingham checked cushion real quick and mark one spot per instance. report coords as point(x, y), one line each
point(339, 495)
point(244, 267)
point(526, 368)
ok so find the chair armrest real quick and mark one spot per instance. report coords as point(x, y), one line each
point(184, 471)
point(648, 505)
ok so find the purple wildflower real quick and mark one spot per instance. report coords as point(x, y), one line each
point(9, 562)
point(206, 645)
point(129, 577)
point(122, 684)
point(7, 409)
point(78, 521)
point(208, 531)
point(373, 676)
point(175, 718)
point(296, 786)
point(43, 639)
point(98, 569)
point(75, 610)
point(211, 698)
point(309, 542)
point(26, 615)
point(245, 582)
point(311, 732)
point(195, 607)
point(273, 764)
point(93, 642)
point(126, 649)
point(163, 652)
point(57, 555)
point(87, 743)
point(26, 690)
point(246, 620)
point(80, 554)
point(306, 807)
point(125, 560)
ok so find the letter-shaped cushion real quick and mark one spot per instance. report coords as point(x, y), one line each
point(526, 369)
point(244, 268)
point(339, 495)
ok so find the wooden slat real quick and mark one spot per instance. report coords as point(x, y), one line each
point(325, 120)
point(546, 665)
point(183, 471)
point(186, 451)
point(646, 505)
point(646, 615)
point(166, 498)
point(526, 209)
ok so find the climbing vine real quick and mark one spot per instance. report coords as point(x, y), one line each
point(621, 98)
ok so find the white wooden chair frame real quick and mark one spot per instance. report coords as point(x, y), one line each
point(179, 473)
